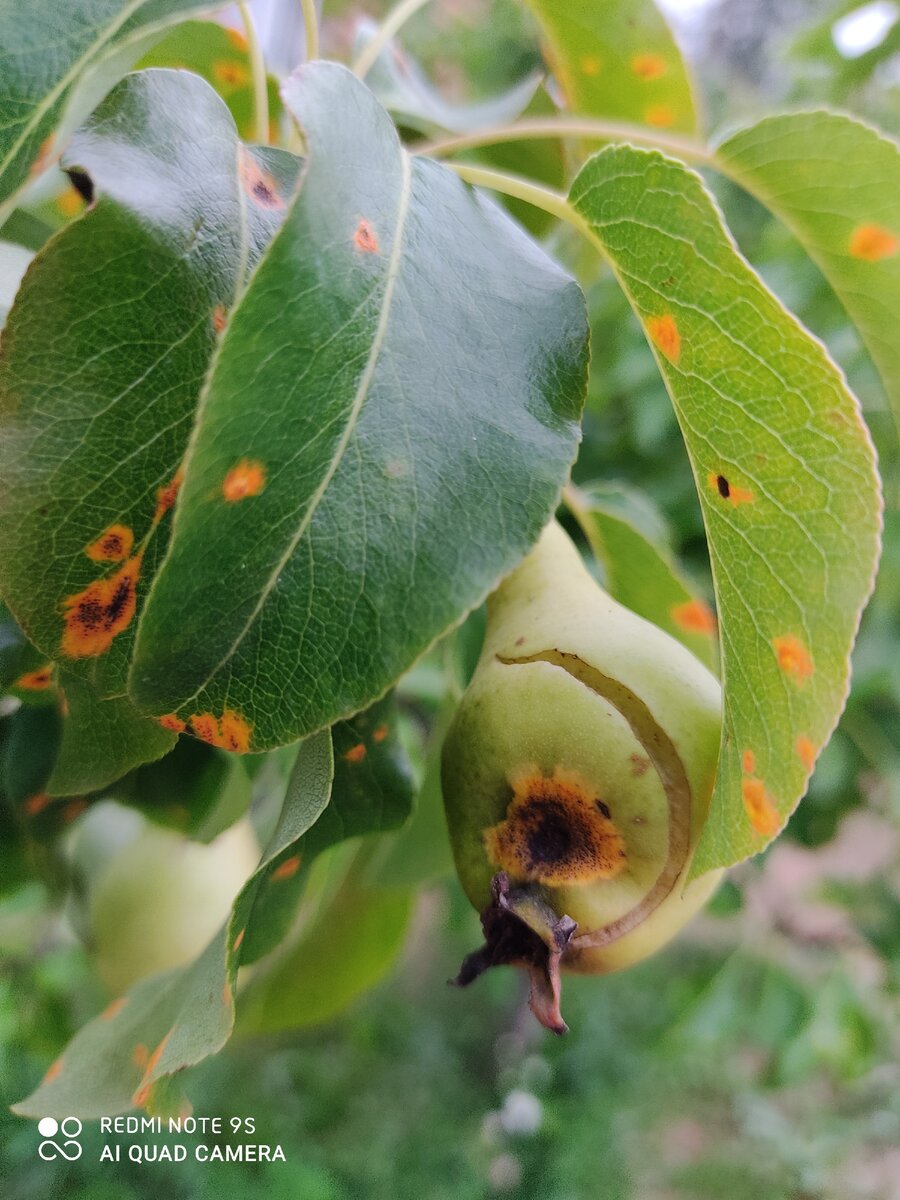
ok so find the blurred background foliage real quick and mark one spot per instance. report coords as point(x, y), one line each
point(757, 1056)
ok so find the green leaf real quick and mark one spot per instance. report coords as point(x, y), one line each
point(57, 62)
point(385, 431)
point(102, 740)
point(624, 532)
point(180, 1017)
point(835, 183)
point(104, 353)
point(30, 743)
point(347, 949)
point(617, 59)
point(219, 56)
point(372, 793)
point(784, 469)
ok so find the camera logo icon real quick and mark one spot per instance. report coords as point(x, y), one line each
point(69, 1128)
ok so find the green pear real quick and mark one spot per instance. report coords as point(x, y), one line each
point(577, 776)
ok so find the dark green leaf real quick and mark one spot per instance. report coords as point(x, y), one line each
point(784, 469)
point(104, 354)
point(388, 422)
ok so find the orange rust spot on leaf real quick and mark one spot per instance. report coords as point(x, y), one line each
point(172, 722)
point(44, 157)
point(590, 65)
point(35, 681)
point(257, 183)
point(95, 616)
point(660, 116)
point(113, 545)
point(649, 66)
point(236, 945)
point(234, 732)
point(694, 617)
point(69, 203)
point(793, 657)
point(729, 491)
point(205, 727)
point(54, 1070)
point(556, 831)
point(114, 1008)
point(167, 495)
point(142, 1094)
point(748, 762)
point(226, 994)
point(248, 478)
point(219, 318)
point(355, 754)
point(665, 336)
point(232, 74)
point(289, 867)
point(364, 239)
point(806, 752)
point(237, 40)
point(380, 732)
point(37, 803)
point(140, 1056)
point(873, 243)
point(762, 812)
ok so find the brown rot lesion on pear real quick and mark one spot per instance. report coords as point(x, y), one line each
point(522, 930)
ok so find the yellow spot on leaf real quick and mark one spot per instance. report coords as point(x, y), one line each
point(590, 65)
point(762, 812)
point(649, 66)
point(96, 615)
point(873, 243)
point(232, 74)
point(693, 616)
point(660, 116)
point(237, 40)
point(248, 478)
point(70, 202)
point(289, 867)
point(793, 657)
point(806, 752)
point(113, 545)
point(364, 239)
point(557, 831)
point(665, 336)
point(35, 681)
point(355, 754)
point(172, 722)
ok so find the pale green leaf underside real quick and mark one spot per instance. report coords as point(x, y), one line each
point(835, 183)
point(399, 391)
point(767, 418)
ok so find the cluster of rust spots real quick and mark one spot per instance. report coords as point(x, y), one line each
point(760, 807)
point(356, 753)
point(172, 722)
point(257, 183)
point(793, 657)
point(229, 732)
point(35, 681)
point(246, 478)
point(806, 752)
point(232, 74)
point(94, 616)
point(872, 243)
point(288, 868)
point(693, 616)
point(729, 491)
point(142, 1094)
point(648, 66)
point(660, 116)
point(364, 238)
point(113, 545)
point(664, 335)
point(557, 831)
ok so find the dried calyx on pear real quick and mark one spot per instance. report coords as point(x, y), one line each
point(577, 776)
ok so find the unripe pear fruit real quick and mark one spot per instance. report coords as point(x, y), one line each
point(577, 776)
point(159, 901)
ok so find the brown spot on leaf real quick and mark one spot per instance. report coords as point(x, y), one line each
point(649, 66)
point(760, 809)
point(664, 335)
point(257, 183)
point(873, 243)
point(793, 656)
point(693, 616)
point(364, 239)
point(96, 615)
point(356, 753)
point(806, 752)
point(554, 832)
point(35, 681)
point(247, 478)
point(173, 723)
point(286, 869)
point(113, 545)
point(639, 765)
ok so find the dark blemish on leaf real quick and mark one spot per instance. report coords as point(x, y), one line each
point(35, 681)
point(520, 640)
point(723, 486)
point(604, 808)
point(113, 545)
point(102, 610)
point(82, 183)
point(257, 183)
point(728, 491)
